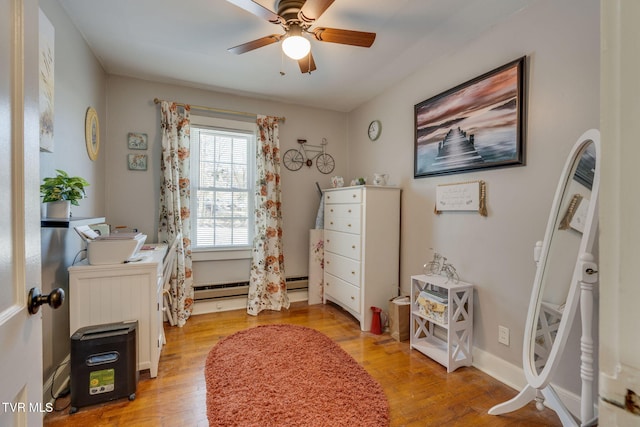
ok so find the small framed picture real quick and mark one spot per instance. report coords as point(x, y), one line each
point(137, 141)
point(137, 162)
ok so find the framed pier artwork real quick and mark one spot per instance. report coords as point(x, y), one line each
point(476, 125)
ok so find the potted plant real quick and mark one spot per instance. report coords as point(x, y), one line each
point(62, 191)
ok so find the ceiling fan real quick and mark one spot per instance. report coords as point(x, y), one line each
point(296, 18)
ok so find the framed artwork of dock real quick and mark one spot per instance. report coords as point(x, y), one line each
point(476, 125)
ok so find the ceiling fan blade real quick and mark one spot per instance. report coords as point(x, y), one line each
point(307, 64)
point(255, 44)
point(312, 9)
point(257, 9)
point(353, 38)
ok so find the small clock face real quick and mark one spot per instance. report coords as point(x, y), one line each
point(375, 127)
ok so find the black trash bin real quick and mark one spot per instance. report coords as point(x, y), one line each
point(104, 364)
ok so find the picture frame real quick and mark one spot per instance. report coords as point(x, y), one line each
point(46, 81)
point(137, 162)
point(476, 125)
point(137, 141)
point(470, 196)
point(92, 133)
point(576, 214)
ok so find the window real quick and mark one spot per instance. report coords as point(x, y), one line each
point(222, 183)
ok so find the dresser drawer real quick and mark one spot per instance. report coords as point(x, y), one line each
point(348, 225)
point(345, 268)
point(342, 244)
point(350, 210)
point(343, 292)
point(348, 195)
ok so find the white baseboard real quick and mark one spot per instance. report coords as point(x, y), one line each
point(62, 375)
point(239, 303)
point(513, 376)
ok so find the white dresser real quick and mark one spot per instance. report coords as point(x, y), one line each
point(100, 294)
point(361, 248)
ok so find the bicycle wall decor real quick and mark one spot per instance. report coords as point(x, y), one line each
point(293, 159)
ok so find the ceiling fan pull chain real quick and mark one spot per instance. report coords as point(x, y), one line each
point(282, 73)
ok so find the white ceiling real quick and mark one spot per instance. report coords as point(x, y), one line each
point(186, 42)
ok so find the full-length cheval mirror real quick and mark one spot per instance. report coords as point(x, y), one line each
point(565, 276)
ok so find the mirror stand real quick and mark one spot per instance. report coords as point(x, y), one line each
point(566, 274)
point(588, 281)
point(547, 395)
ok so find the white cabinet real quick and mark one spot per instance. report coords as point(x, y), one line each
point(100, 294)
point(361, 248)
point(442, 320)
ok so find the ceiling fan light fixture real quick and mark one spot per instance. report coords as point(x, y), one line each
point(296, 47)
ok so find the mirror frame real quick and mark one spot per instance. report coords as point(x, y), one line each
point(541, 380)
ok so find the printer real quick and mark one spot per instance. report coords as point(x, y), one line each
point(112, 249)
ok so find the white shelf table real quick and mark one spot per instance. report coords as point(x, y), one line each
point(448, 341)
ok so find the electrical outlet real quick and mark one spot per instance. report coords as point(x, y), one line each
point(503, 335)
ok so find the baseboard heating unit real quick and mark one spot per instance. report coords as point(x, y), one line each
point(240, 289)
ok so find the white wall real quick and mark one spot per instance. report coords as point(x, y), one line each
point(132, 196)
point(79, 84)
point(494, 253)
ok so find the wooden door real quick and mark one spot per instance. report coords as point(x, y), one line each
point(20, 333)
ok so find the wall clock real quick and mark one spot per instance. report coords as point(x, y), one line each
point(92, 133)
point(375, 128)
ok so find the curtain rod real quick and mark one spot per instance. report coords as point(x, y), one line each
point(218, 110)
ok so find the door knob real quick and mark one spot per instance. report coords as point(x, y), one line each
point(36, 299)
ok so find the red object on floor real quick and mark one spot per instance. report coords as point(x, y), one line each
point(376, 321)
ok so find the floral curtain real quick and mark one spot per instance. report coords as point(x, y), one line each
point(267, 287)
point(174, 206)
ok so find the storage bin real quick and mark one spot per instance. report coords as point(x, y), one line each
point(432, 307)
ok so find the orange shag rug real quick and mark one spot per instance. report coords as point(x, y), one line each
point(288, 375)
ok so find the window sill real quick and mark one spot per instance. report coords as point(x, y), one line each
point(220, 254)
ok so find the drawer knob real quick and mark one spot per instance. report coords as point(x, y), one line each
point(349, 211)
point(331, 210)
point(328, 262)
point(354, 196)
point(328, 240)
point(353, 272)
point(331, 223)
point(353, 298)
point(348, 225)
point(353, 246)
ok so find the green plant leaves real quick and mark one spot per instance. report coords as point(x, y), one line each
point(63, 187)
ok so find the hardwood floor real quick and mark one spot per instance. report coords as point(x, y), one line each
point(419, 390)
